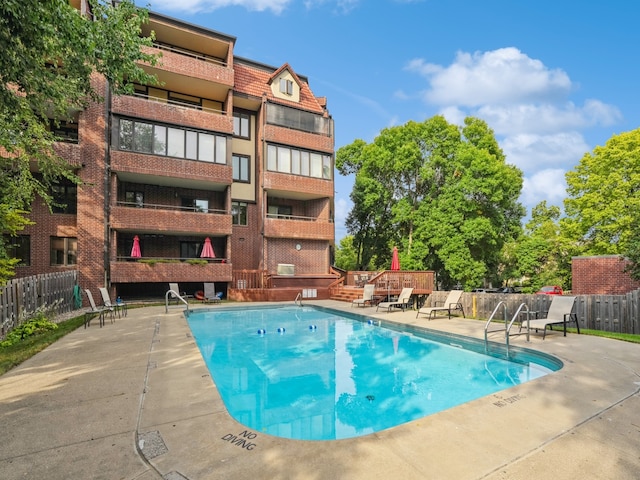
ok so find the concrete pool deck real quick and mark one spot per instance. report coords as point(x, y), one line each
point(134, 400)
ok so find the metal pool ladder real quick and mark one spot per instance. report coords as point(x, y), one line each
point(507, 325)
point(298, 298)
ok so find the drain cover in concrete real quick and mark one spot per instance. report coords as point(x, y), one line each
point(151, 444)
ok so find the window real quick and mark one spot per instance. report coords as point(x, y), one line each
point(279, 211)
point(65, 198)
point(190, 249)
point(240, 168)
point(196, 204)
point(286, 86)
point(239, 213)
point(64, 131)
point(188, 100)
point(144, 137)
point(134, 199)
point(299, 162)
point(19, 247)
point(241, 124)
point(299, 119)
point(64, 250)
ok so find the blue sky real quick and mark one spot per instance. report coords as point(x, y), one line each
point(553, 79)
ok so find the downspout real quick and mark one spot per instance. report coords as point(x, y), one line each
point(260, 162)
point(107, 189)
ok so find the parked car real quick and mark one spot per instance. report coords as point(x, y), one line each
point(483, 290)
point(509, 290)
point(550, 290)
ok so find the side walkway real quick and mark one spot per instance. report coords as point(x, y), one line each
point(134, 400)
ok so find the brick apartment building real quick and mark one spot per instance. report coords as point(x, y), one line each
point(226, 148)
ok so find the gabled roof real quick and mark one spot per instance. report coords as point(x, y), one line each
point(255, 79)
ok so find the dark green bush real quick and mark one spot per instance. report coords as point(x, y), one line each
point(36, 325)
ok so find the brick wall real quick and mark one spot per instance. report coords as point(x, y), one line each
point(312, 258)
point(601, 275)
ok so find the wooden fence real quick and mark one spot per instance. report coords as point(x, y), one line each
point(21, 297)
point(611, 313)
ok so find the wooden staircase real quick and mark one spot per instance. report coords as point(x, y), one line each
point(346, 293)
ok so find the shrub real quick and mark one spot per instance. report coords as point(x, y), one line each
point(39, 323)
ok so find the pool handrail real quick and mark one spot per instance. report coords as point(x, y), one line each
point(174, 295)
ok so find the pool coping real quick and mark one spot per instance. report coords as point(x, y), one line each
point(134, 400)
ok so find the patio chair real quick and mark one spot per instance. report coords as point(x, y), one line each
point(119, 307)
point(402, 301)
point(452, 302)
point(176, 294)
point(560, 312)
point(101, 311)
point(210, 294)
point(367, 296)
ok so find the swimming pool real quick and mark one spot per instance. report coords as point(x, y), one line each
point(312, 373)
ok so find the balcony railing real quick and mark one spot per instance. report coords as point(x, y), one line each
point(281, 216)
point(170, 270)
point(189, 53)
point(291, 226)
point(177, 103)
point(156, 206)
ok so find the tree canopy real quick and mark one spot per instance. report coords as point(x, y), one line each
point(604, 196)
point(443, 194)
point(49, 53)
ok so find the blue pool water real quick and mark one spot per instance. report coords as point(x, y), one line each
point(316, 374)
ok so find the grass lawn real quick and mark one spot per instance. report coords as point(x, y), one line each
point(14, 355)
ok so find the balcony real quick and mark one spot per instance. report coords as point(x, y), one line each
point(160, 170)
point(298, 227)
point(148, 271)
point(164, 219)
point(170, 111)
point(190, 72)
point(287, 185)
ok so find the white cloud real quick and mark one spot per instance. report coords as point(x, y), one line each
point(527, 105)
point(532, 152)
point(546, 185)
point(500, 76)
point(194, 6)
point(545, 118)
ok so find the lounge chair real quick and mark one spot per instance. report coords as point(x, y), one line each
point(210, 294)
point(402, 301)
point(367, 296)
point(452, 302)
point(176, 294)
point(101, 311)
point(119, 307)
point(560, 312)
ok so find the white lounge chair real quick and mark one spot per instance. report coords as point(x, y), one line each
point(210, 294)
point(101, 311)
point(452, 302)
point(119, 307)
point(402, 301)
point(367, 296)
point(176, 294)
point(560, 312)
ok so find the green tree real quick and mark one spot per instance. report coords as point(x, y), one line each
point(48, 56)
point(346, 256)
point(542, 255)
point(603, 196)
point(633, 249)
point(443, 194)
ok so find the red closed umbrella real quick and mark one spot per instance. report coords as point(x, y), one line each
point(135, 250)
point(395, 261)
point(207, 249)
